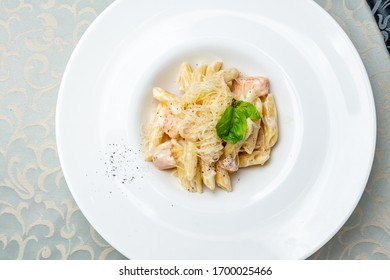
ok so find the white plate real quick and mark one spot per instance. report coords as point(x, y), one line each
point(285, 210)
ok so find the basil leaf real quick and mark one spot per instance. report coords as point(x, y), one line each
point(238, 127)
point(225, 123)
point(232, 125)
point(249, 110)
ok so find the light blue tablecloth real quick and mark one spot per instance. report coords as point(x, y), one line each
point(38, 216)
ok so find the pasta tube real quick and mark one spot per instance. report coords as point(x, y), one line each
point(250, 143)
point(185, 77)
point(213, 68)
point(181, 174)
point(270, 121)
point(196, 183)
point(199, 73)
point(155, 132)
point(208, 174)
point(221, 122)
point(222, 178)
point(171, 100)
point(257, 157)
point(230, 74)
point(190, 160)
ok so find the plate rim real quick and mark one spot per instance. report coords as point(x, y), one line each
point(330, 19)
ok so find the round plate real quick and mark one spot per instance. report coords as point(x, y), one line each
point(286, 209)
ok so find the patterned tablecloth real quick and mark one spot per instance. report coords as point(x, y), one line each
point(38, 216)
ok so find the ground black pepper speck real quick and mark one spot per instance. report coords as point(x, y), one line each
point(119, 161)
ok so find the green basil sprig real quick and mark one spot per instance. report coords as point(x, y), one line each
point(232, 125)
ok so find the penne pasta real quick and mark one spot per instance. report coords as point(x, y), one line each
point(213, 68)
point(155, 132)
point(250, 143)
point(200, 73)
point(208, 174)
point(270, 121)
point(223, 121)
point(171, 100)
point(190, 160)
point(222, 178)
point(181, 174)
point(260, 137)
point(258, 157)
point(230, 74)
point(185, 77)
point(196, 183)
